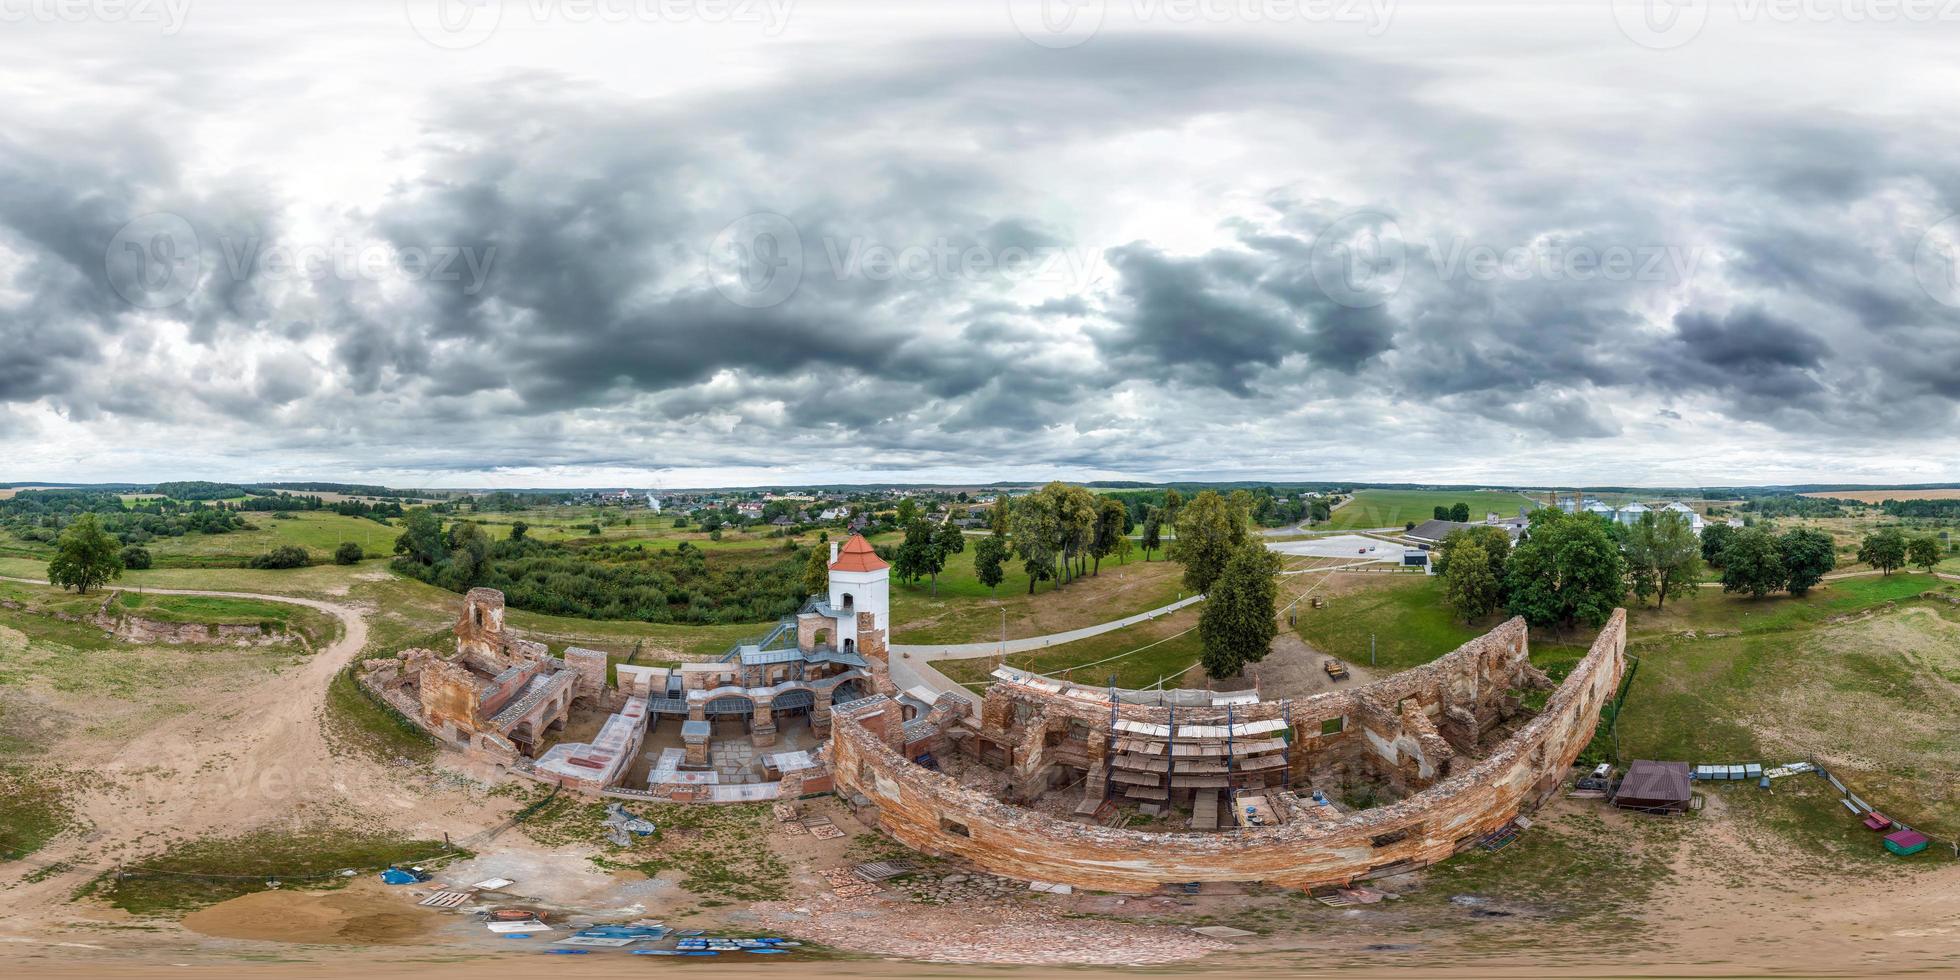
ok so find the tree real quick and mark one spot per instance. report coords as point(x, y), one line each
point(349, 553)
point(919, 556)
point(988, 555)
point(85, 556)
point(1924, 551)
point(1208, 532)
point(1319, 511)
point(1884, 549)
point(998, 521)
point(1173, 503)
point(1037, 526)
point(518, 529)
point(421, 537)
point(1441, 512)
point(1471, 561)
point(950, 539)
point(1496, 542)
point(1753, 563)
point(816, 572)
point(284, 556)
point(1469, 587)
point(1460, 513)
point(1566, 570)
point(1807, 556)
point(1238, 623)
point(1110, 515)
point(1663, 557)
point(1714, 538)
point(907, 510)
point(1124, 547)
point(136, 558)
point(1153, 531)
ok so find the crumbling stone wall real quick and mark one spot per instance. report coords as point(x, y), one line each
point(1315, 846)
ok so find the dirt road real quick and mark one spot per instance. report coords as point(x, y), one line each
point(252, 758)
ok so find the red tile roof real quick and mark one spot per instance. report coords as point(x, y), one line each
point(857, 556)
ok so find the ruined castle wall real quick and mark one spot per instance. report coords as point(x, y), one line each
point(932, 813)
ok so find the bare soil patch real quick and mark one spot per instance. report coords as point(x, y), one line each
point(351, 917)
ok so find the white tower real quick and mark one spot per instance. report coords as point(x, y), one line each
point(860, 584)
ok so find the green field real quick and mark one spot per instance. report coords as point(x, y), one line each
point(319, 532)
point(195, 874)
point(1404, 614)
point(1395, 508)
point(964, 610)
point(1150, 652)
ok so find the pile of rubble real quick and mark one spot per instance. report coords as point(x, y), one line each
point(960, 888)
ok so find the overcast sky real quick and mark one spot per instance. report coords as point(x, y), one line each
point(706, 242)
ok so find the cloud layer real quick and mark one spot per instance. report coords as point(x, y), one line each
point(1211, 253)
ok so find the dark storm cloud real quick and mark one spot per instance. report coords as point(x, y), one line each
point(594, 212)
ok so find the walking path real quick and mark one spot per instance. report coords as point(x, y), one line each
point(968, 651)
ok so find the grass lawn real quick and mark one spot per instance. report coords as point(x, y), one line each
point(1404, 614)
point(1163, 649)
point(1394, 508)
point(32, 811)
point(195, 874)
point(319, 532)
point(966, 611)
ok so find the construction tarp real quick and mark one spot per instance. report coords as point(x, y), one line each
point(1653, 785)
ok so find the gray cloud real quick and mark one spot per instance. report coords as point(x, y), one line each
point(597, 340)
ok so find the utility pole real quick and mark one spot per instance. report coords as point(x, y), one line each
point(1371, 649)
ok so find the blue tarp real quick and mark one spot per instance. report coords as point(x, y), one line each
point(396, 876)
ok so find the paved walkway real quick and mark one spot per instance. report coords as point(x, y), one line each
point(968, 651)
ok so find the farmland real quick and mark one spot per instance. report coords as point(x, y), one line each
point(1395, 508)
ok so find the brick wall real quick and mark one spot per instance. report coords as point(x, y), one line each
point(932, 813)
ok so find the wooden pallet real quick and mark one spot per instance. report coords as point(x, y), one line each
point(881, 870)
point(446, 900)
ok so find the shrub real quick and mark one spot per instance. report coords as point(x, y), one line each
point(348, 553)
point(135, 559)
point(284, 556)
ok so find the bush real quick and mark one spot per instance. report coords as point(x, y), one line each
point(284, 556)
point(348, 553)
point(135, 559)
